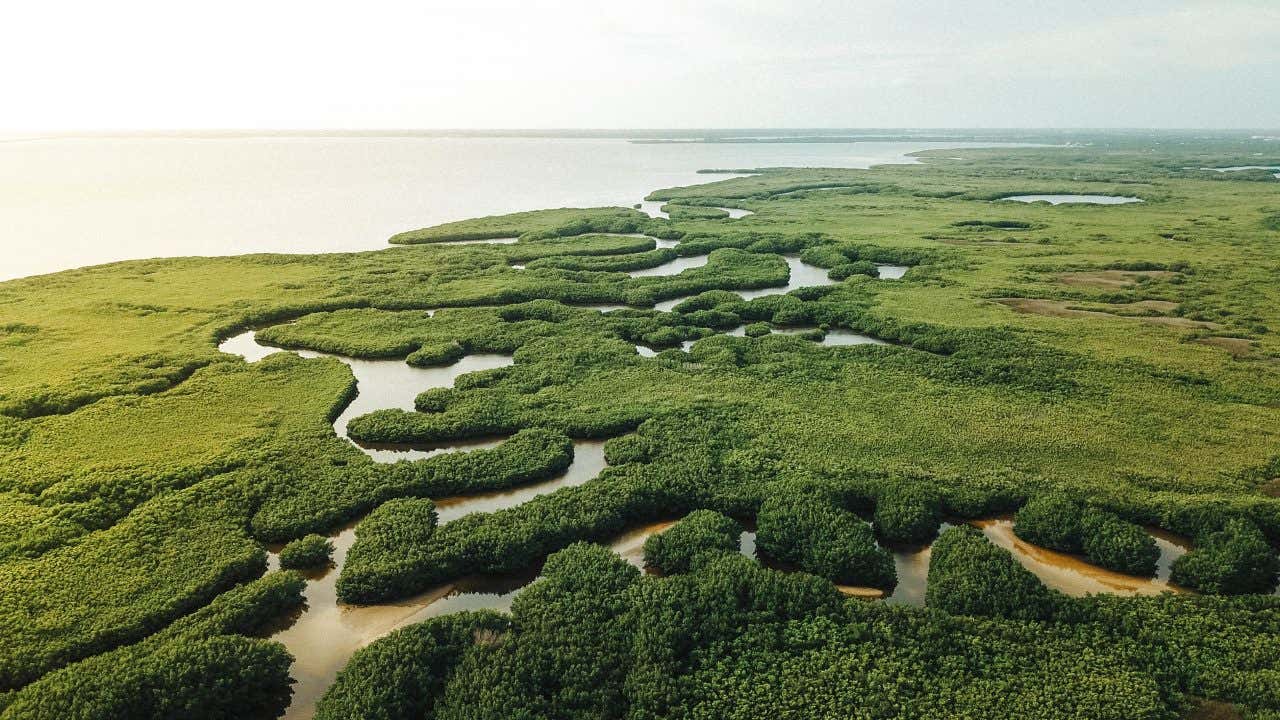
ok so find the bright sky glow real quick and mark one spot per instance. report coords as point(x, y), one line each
point(138, 64)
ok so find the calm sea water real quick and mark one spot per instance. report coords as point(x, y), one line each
point(69, 202)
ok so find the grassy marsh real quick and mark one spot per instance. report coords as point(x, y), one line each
point(1124, 357)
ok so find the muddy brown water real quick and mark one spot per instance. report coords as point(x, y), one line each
point(324, 636)
point(1077, 577)
point(1066, 573)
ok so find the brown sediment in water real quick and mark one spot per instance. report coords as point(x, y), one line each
point(912, 565)
point(323, 637)
point(1076, 577)
point(630, 545)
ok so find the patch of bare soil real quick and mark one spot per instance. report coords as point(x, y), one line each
point(1050, 308)
point(1179, 322)
point(1239, 347)
point(1214, 710)
point(1110, 279)
point(1159, 306)
point(1065, 308)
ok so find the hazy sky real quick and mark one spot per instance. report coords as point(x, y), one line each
point(659, 63)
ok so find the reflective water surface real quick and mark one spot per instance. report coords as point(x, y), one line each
point(72, 201)
point(1087, 199)
point(1246, 167)
point(674, 267)
point(383, 384)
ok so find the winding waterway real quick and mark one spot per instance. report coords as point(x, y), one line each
point(382, 384)
point(325, 633)
point(323, 636)
point(1081, 199)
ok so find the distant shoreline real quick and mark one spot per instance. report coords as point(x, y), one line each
point(650, 135)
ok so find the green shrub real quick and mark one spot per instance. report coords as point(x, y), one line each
point(1062, 524)
point(198, 667)
point(673, 550)
point(1051, 521)
point(306, 552)
point(757, 330)
point(1118, 545)
point(822, 539)
point(434, 355)
point(403, 674)
point(394, 535)
point(970, 576)
point(1234, 560)
point(688, 212)
point(847, 270)
point(907, 513)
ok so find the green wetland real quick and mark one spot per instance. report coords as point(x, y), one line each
point(800, 443)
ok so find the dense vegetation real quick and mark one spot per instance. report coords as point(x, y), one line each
point(306, 552)
point(207, 665)
point(1096, 369)
point(674, 550)
point(1059, 523)
point(732, 639)
point(821, 539)
point(1235, 559)
point(969, 576)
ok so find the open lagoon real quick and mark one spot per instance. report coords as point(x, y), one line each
point(84, 200)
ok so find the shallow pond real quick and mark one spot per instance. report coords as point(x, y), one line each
point(801, 275)
point(1246, 167)
point(1065, 199)
point(485, 241)
point(674, 267)
point(382, 384)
